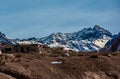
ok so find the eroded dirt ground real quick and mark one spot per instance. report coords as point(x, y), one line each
point(76, 67)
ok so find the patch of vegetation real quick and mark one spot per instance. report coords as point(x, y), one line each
point(2, 60)
point(116, 54)
point(94, 56)
point(26, 65)
point(17, 60)
point(19, 55)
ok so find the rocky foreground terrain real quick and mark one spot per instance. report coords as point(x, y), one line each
point(77, 66)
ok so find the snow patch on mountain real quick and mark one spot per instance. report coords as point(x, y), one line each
point(101, 42)
point(27, 42)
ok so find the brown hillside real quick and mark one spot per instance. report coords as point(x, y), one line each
point(91, 66)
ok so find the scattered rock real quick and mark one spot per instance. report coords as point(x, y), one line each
point(109, 55)
point(94, 56)
point(67, 55)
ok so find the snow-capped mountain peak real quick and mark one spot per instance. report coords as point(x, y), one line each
point(101, 30)
point(87, 39)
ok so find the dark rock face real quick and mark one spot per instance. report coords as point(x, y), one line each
point(112, 40)
point(114, 44)
point(99, 31)
point(114, 47)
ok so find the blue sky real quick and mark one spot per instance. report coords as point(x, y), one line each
point(38, 18)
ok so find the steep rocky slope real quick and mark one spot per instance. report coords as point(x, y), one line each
point(113, 44)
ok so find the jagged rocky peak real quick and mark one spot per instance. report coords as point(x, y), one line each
point(101, 30)
point(97, 27)
point(96, 32)
point(87, 39)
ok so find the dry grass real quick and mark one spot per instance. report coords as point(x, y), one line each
point(73, 67)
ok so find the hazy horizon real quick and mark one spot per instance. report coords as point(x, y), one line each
point(39, 18)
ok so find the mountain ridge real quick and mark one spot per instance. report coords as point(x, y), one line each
point(86, 40)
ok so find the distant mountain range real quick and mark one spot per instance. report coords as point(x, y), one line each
point(85, 40)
